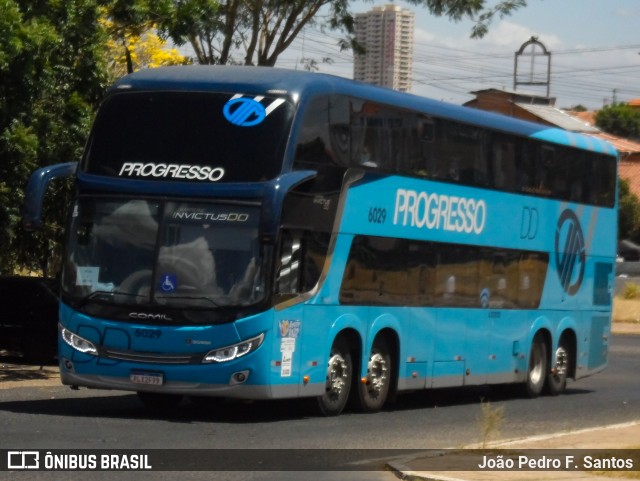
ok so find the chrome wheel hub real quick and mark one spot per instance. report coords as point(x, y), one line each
point(337, 374)
point(562, 361)
point(536, 365)
point(377, 372)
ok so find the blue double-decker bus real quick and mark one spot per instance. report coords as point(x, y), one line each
point(258, 233)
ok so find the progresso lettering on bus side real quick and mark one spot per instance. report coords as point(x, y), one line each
point(439, 211)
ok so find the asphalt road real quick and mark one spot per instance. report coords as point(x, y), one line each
point(55, 417)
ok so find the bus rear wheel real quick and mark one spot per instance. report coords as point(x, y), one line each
point(339, 379)
point(557, 378)
point(374, 388)
point(537, 371)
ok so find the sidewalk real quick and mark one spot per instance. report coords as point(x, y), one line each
point(625, 328)
point(620, 436)
point(13, 373)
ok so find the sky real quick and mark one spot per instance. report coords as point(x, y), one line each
point(594, 45)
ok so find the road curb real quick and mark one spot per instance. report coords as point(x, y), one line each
point(626, 434)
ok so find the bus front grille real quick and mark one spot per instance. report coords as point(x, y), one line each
point(152, 357)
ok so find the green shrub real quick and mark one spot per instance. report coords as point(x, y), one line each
point(631, 291)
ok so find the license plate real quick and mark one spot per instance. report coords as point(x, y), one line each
point(147, 378)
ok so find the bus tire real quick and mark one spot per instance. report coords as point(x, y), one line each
point(537, 370)
point(338, 381)
point(557, 378)
point(374, 388)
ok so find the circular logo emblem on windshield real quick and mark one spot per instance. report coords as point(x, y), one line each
point(244, 112)
point(570, 252)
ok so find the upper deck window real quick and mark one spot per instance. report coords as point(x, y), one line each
point(189, 137)
point(339, 131)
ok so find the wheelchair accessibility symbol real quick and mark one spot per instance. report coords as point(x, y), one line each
point(169, 283)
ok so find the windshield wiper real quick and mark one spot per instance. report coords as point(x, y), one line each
point(110, 294)
point(195, 298)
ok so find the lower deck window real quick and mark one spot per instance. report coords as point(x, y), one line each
point(402, 272)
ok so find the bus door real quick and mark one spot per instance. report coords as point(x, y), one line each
point(301, 328)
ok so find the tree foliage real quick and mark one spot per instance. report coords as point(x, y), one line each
point(133, 40)
point(479, 11)
point(619, 119)
point(257, 32)
point(628, 213)
point(129, 51)
point(52, 77)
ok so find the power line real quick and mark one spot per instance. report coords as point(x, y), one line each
point(459, 70)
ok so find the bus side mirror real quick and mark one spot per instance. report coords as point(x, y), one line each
point(36, 188)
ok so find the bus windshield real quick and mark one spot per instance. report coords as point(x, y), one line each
point(189, 137)
point(174, 254)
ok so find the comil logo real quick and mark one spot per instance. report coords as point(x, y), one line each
point(570, 252)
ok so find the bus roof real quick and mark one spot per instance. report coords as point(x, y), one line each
point(261, 80)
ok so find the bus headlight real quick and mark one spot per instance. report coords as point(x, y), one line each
point(77, 342)
point(229, 353)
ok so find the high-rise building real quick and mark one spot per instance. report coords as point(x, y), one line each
point(386, 33)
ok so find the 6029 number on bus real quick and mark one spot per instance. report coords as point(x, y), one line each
point(377, 215)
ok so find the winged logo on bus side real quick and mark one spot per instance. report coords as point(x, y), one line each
point(570, 252)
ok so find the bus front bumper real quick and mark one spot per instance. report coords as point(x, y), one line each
point(234, 389)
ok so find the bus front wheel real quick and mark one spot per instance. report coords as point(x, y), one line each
point(374, 388)
point(339, 378)
point(537, 371)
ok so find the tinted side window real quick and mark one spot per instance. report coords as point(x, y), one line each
point(302, 256)
point(503, 154)
point(314, 149)
point(315, 246)
point(604, 180)
point(376, 272)
point(339, 131)
point(457, 276)
point(383, 137)
point(400, 272)
point(463, 151)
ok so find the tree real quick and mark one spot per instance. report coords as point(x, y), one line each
point(628, 213)
point(258, 31)
point(52, 77)
point(133, 40)
point(619, 119)
point(128, 52)
point(54, 58)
